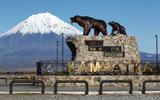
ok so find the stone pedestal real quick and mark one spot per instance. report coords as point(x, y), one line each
point(104, 54)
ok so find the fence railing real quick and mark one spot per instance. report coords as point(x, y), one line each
point(71, 81)
point(148, 81)
point(27, 81)
point(115, 81)
point(19, 82)
point(52, 67)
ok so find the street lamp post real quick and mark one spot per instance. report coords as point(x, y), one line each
point(57, 55)
point(156, 51)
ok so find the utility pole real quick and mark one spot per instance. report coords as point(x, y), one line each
point(57, 42)
point(157, 65)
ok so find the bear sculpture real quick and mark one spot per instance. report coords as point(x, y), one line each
point(88, 23)
point(116, 27)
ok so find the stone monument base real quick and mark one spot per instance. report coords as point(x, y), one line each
point(103, 54)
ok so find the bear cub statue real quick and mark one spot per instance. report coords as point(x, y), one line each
point(117, 28)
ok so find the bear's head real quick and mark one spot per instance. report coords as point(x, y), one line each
point(74, 19)
point(112, 23)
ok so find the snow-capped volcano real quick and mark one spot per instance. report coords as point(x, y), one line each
point(43, 23)
point(34, 39)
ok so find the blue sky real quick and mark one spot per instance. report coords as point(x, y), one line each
point(140, 17)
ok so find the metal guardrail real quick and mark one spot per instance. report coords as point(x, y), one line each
point(27, 81)
point(148, 81)
point(4, 78)
point(71, 81)
point(115, 81)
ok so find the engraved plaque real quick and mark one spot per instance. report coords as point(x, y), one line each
point(94, 43)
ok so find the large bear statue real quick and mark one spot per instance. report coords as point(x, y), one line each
point(116, 27)
point(88, 23)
